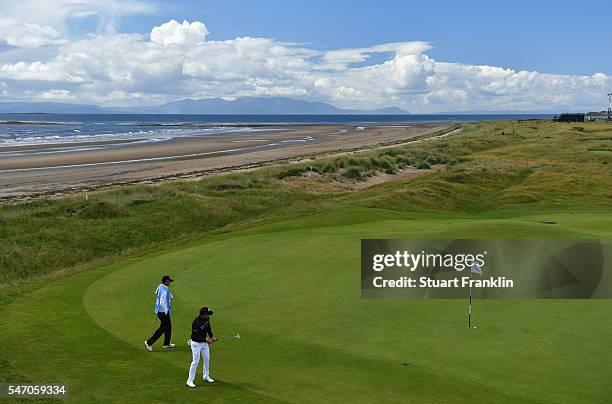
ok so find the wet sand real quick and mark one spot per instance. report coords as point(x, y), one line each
point(27, 171)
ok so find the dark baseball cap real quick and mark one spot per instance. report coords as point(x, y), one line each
point(206, 310)
point(167, 278)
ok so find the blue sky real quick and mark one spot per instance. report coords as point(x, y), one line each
point(550, 36)
point(426, 56)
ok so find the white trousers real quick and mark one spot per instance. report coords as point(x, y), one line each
point(197, 349)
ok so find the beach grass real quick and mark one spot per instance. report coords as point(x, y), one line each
point(534, 166)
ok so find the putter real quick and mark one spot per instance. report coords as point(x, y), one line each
point(237, 336)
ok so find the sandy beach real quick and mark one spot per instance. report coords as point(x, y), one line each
point(28, 171)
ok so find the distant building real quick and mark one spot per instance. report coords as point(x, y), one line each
point(570, 118)
point(596, 116)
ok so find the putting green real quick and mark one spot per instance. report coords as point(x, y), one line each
point(294, 297)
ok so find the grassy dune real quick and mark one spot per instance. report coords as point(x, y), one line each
point(276, 254)
point(533, 167)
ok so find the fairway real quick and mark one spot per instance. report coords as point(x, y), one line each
point(292, 291)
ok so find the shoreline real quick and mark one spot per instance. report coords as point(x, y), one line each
point(36, 182)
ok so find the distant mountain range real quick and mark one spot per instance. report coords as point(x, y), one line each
point(212, 106)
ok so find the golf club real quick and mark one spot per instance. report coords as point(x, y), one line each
point(237, 336)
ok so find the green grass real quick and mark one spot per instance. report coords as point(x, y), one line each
point(545, 165)
point(292, 291)
point(278, 260)
point(541, 166)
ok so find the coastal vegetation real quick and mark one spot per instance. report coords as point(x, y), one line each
point(533, 166)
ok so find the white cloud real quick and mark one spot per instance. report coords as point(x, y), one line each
point(176, 61)
point(57, 95)
point(38, 71)
point(57, 13)
point(26, 35)
point(173, 33)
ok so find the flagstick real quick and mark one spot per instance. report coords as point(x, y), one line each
point(470, 305)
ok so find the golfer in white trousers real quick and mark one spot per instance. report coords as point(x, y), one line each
point(201, 337)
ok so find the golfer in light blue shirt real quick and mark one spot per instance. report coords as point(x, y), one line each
point(163, 310)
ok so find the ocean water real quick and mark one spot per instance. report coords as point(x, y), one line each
point(28, 129)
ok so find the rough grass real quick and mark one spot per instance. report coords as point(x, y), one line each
point(534, 165)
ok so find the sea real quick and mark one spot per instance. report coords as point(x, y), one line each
point(33, 129)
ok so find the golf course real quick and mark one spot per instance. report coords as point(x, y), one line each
point(275, 252)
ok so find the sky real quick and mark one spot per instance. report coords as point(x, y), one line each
point(425, 57)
